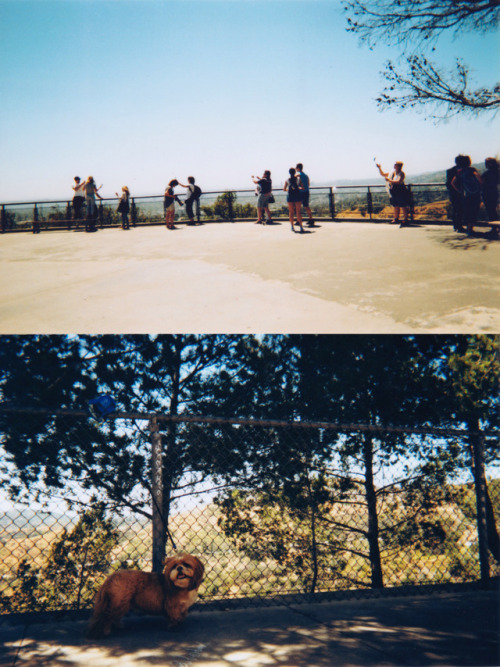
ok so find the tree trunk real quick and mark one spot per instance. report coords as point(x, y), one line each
point(371, 501)
point(480, 486)
point(493, 537)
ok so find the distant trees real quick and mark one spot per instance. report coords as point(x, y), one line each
point(358, 491)
point(303, 482)
point(73, 564)
point(417, 24)
point(166, 374)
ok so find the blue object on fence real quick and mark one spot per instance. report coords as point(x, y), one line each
point(102, 406)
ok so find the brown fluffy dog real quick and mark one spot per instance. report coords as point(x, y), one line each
point(170, 593)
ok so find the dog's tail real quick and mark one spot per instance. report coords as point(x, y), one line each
point(95, 627)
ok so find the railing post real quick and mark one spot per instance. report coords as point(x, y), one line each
point(480, 486)
point(331, 203)
point(68, 214)
point(412, 204)
point(133, 213)
point(369, 202)
point(36, 224)
point(159, 529)
point(100, 214)
point(230, 206)
point(4, 219)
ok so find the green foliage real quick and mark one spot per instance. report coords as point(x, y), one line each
point(74, 563)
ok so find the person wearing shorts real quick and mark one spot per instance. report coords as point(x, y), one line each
point(294, 198)
point(169, 203)
point(265, 190)
point(304, 179)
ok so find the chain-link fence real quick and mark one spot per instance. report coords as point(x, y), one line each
point(273, 509)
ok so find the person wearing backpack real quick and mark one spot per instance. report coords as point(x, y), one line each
point(194, 194)
point(304, 179)
point(294, 198)
point(455, 198)
point(468, 183)
point(490, 179)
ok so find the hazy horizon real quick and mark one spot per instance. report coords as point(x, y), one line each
point(136, 93)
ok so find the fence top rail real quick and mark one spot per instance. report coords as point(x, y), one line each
point(154, 418)
point(332, 187)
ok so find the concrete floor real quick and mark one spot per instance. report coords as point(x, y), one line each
point(238, 278)
point(446, 629)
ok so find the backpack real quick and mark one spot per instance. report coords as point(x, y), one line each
point(293, 185)
point(196, 192)
point(469, 182)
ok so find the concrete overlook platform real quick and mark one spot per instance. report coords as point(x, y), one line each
point(240, 277)
point(447, 629)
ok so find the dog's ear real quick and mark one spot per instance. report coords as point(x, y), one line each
point(199, 571)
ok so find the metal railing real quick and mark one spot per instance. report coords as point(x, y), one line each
point(429, 203)
point(272, 508)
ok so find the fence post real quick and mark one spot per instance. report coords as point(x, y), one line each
point(159, 533)
point(133, 213)
point(68, 214)
point(4, 220)
point(36, 224)
point(412, 204)
point(369, 202)
point(100, 214)
point(331, 202)
point(480, 486)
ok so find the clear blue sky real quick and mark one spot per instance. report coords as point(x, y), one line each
point(139, 92)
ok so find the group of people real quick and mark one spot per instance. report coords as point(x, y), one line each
point(297, 189)
point(84, 194)
point(467, 187)
point(192, 201)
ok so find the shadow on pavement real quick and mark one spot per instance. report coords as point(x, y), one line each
point(455, 629)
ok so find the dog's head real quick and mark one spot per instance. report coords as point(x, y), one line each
point(183, 571)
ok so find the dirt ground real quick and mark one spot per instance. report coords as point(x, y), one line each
point(237, 278)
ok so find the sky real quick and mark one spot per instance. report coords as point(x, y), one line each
point(137, 92)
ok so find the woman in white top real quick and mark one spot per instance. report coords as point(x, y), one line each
point(398, 192)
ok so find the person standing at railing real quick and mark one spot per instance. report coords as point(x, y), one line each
point(468, 183)
point(192, 198)
point(304, 179)
point(490, 188)
point(78, 199)
point(265, 191)
point(124, 206)
point(456, 199)
point(91, 192)
point(169, 203)
point(398, 192)
point(294, 198)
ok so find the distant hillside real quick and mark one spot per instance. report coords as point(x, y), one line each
point(427, 177)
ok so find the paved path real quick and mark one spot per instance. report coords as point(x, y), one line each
point(453, 629)
point(231, 278)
